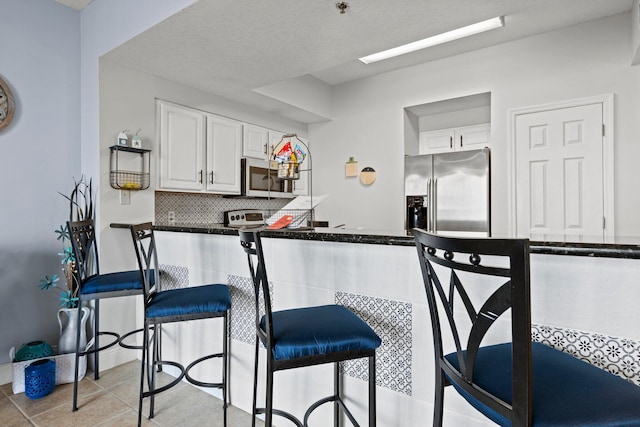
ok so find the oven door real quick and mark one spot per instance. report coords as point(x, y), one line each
point(260, 181)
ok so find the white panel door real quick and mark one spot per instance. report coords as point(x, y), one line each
point(559, 171)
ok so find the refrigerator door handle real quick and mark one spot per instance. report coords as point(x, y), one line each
point(434, 204)
point(428, 200)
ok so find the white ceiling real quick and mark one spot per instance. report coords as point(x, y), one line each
point(234, 48)
point(75, 4)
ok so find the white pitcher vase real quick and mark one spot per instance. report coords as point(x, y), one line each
point(68, 332)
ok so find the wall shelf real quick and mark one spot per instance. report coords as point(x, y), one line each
point(137, 176)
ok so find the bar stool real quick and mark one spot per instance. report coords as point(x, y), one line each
point(93, 286)
point(305, 337)
point(175, 305)
point(516, 382)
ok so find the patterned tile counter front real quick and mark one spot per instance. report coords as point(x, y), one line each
point(584, 305)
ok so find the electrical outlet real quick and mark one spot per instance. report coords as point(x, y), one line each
point(125, 197)
point(171, 217)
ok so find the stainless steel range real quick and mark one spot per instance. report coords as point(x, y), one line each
point(244, 218)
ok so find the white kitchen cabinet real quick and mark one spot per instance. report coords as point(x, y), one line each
point(455, 139)
point(274, 139)
point(473, 137)
point(255, 142)
point(436, 141)
point(224, 148)
point(198, 151)
point(182, 147)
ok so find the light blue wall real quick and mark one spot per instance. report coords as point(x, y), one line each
point(50, 56)
point(40, 60)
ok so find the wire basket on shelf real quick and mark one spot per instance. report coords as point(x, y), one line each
point(289, 170)
point(127, 180)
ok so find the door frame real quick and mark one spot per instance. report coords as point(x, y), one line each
point(607, 154)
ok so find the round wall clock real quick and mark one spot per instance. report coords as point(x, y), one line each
point(7, 105)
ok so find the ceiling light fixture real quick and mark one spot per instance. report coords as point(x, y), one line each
point(459, 33)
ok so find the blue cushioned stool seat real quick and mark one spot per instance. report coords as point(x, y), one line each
point(188, 301)
point(319, 330)
point(566, 391)
point(112, 282)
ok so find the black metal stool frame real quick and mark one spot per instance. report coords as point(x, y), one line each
point(85, 250)
point(252, 245)
point(148, 262)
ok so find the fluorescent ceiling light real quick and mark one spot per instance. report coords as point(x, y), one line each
point(459, 33)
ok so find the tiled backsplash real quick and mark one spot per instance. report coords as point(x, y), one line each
point(196, 208)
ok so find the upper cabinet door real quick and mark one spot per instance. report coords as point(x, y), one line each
point(224, 149)
point(436, 141)
point(255, 142)
point(181, 147)
point(473, 137)
point(455, 139)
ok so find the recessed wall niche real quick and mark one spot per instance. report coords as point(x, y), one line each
point(444, 114)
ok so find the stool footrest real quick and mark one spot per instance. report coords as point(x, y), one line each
point(198, 382)
point(321, 402)
point(171, 384)
point(283, 414)
point(127, 335)
point(104, 347)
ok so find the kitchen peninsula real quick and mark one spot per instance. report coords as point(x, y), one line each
point(583, 301)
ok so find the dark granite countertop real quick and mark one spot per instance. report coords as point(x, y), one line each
point(618, 247)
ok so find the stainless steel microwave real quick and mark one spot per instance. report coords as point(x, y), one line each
point(260, 181)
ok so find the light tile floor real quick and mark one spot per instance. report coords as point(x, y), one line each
point(113, 401)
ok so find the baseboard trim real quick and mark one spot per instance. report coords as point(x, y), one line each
point(109, 358)
point(113, 357)
point(6, 375)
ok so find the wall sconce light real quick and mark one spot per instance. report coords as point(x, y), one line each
point(351, 167)
point(367, 176)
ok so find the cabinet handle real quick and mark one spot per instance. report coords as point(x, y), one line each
point(211, 178)
point(265, 149)
point(200, 177)
point(460, 140)
point(450, 142)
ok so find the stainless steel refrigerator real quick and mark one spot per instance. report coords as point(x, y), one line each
point(449, 193)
